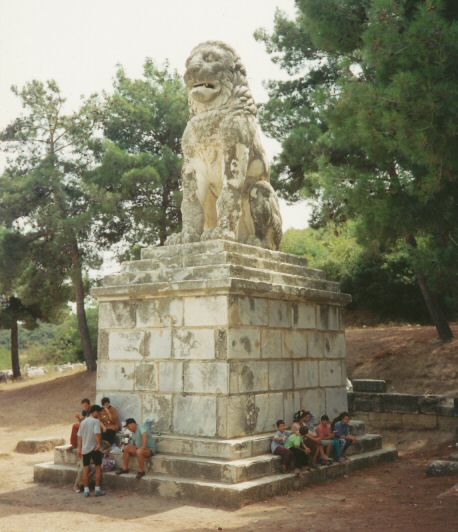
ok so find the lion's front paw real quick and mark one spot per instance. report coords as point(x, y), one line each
point(184, 237)
point(218, 233)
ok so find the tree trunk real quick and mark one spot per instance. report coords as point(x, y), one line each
point(15, 350)
point(78, 285)
point(434, 308)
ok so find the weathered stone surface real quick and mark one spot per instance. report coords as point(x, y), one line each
point(127, 404)
point(206, 377)
point(202, 311)
point(194, 415)
point(313, 400)
point(38, 445)
point(330, 373)
point(328, 317)
point(158, 408)
point(400, 402)
point(248, 311)
point(336, 401)
point(315, 344)
point(244, 343)
point(271, 343)
point(159, 343)
point(438, 468)
point(194, 343)
point(305, 374)
point(280, 375)
point(126, 345)
point(171, 377)
point(117, 314)
point(270, 408)
point(334, 345)
point(295, 344)
point(279, 314)
point(248, 376)
point(115, 375)
point(145, 376)
point(161, 312)
point(242, 415)
point(304, 315)
point(369, 385)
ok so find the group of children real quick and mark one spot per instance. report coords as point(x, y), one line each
point(310, 444)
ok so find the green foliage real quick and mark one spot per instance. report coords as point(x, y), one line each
point(142, 120)
point(368, 124)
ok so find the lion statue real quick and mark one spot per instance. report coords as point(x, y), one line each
point(226, 188)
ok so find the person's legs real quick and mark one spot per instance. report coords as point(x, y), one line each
point(109, 435)
point(346, 446)
point(286, 456)
point(129, 450)
point(141, 455)
point(74, 435)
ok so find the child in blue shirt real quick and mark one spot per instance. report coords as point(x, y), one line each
point(341, 431)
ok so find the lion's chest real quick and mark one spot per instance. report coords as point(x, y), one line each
point(203, 147)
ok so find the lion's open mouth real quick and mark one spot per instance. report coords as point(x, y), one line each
point(206, 85)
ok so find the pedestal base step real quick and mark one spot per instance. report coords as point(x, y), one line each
point(218, 493)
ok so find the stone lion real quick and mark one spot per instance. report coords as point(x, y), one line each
point(226, 188)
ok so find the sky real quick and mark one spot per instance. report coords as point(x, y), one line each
point(79, 43)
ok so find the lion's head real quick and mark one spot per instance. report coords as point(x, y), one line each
point(216, 78)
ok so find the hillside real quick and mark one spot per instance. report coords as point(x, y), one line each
point(410, 358)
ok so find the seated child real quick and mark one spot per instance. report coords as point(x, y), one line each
point(307, 421)
point(278, 445)
point(341, 431)
point(299, 450)
point(324, 432)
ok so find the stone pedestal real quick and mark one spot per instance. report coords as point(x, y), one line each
point(214, 342)
point(219, 339)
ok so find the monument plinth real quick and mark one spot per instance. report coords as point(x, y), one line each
point(219, 339)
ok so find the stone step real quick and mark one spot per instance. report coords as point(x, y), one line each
point(218, 493)
point(218, 259)
point(215, 246)
point(220, 271)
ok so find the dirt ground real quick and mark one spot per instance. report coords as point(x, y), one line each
point(395, 496)
point(409, 357)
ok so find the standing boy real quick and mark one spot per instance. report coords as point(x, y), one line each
point(89, 448)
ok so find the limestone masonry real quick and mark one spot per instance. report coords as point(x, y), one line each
point(219, 339)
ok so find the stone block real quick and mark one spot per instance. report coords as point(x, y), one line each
point(304, 315)
point(115, 376)
point(280, 375)
point(158, 408)
point(366, 402)
point(243, 343)
point(385, 421)
point(248, 311)
point(206, 377)
point(336, 401)
point(305, 374)
point(369, 385)
point(194, 415)
point(127, 404)
point(328, 317)
point(160, 312)
point(271, 343)
point(171, 376)
point(334, 345)
point(295, 344)
point(206, 311)
point(102, 345)
point(399, 402)
point(242, 415)
point(145, 376)
point(194, 343)
point(113, 314)
point(159, 343)
point(126, 345)
point(291, 404)
point(279, 313)
point(313, 400)
point(270, 408)
point(429, 404)
point(438, 468)
point(248, 376)
point(38, 445)
point(315, 344)
point(330, 372)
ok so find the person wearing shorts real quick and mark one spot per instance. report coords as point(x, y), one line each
point(89, 449)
